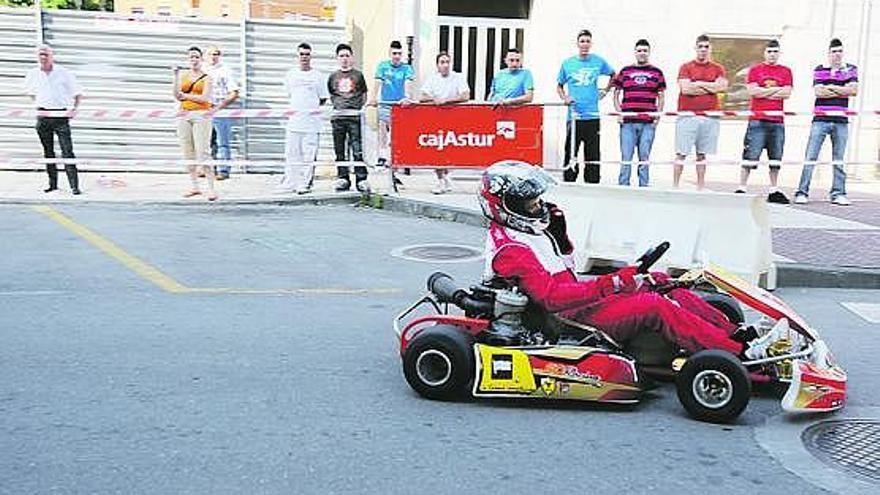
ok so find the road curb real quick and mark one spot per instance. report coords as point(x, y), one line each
point(834, 277)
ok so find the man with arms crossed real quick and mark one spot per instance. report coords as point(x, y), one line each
point(700, 81)
point(769, 85)
point(833, 84)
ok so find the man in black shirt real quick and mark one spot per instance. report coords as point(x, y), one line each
point(348, 92)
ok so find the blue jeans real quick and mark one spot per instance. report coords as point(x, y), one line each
point(632, 135)
point(839, 132)
point(223, 131)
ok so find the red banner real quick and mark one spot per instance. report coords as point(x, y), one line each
point(465, 135)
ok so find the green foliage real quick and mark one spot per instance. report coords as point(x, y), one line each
point(105, 5)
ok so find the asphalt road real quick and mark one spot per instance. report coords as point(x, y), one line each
point(275, 370)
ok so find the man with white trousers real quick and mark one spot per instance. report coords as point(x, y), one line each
point(306, 90)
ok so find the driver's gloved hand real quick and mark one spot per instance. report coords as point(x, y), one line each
point(558, 229)
point(627, 280)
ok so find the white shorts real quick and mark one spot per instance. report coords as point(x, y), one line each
point(696, 131)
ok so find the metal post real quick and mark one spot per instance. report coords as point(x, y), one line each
point(864, 42)
point(38, 18)
point(243, 70)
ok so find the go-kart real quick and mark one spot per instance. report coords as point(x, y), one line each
point(504, 346)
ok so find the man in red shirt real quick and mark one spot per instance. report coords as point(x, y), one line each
point(700, 81)
point(769, 85)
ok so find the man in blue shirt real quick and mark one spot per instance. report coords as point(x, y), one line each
point(577, 85)
point(393, 83)
point(513, 85)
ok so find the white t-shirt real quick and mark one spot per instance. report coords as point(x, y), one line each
point(55, 90)
point(222, 83)
point(447, 87)
point(305, 90)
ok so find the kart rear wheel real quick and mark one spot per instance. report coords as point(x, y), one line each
point(713, 386)
point(439, 363)
point(726, 304)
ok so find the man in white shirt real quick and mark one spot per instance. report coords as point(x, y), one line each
point(306, 90)
point(224, 91)
point(54, 88)
point(444, 87)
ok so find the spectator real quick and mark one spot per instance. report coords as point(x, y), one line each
point(643, 89)
point(224, 93)
point(769, 85)
point(306, 90)
point(393, 83)
point(444, 87)
point(580, 75)
point(513, 85)
point(348, 92)
point(700, 81)
point(54, 88)
point(833, 84)
point(194, 131)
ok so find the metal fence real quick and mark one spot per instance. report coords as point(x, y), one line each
point(125, 63)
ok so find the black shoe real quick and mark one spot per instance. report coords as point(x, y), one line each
point(778, 198)
point(75, 192)
point(740, 191)
point(50, 189)
point(397, 182)
point(381, 162)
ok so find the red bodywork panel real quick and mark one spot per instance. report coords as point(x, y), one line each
point(472, 326)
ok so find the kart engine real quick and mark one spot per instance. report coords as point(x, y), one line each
point(507, 327)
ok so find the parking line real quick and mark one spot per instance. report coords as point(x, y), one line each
point(168, 284)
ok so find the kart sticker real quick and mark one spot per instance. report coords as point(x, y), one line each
point(503, 371)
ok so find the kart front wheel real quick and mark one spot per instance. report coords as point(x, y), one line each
point(713, 386)
point(439, 363)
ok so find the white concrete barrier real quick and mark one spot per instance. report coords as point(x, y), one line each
point(618, 224)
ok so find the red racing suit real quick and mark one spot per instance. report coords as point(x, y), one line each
point(540, 268)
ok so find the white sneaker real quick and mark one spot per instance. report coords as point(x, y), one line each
point(440, 187)
point(757, 349)
point(283, 190)
point(363, 187)
point(841, 200)
point(447, 184)
point(800, 199)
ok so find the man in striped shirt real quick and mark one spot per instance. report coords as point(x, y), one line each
point(643, 87)
point(833, 84)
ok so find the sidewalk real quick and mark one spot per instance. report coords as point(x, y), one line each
point(817, 234)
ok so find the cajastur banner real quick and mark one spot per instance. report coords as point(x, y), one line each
point(465, 135)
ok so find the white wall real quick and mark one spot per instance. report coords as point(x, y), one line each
point(802, 26)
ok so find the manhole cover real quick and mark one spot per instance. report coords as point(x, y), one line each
point(849, 445)
point(439, 253)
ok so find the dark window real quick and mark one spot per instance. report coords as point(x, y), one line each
point(505, 9)
point(490, 60)
point(456, 42)
point(472, 60)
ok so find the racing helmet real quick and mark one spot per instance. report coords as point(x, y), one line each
point(507, 195)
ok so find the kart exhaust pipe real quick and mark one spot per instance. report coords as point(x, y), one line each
point(443, 286)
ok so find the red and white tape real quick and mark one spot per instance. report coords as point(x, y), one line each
point(258, 113)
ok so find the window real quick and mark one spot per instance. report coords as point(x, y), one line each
point(737, 55)
point(505, 9)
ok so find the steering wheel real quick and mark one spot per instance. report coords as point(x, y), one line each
point(647, 260)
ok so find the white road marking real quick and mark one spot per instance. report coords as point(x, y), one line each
point(12, 293)
point(869, 312)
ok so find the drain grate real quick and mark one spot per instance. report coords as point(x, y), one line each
point(439, 253)
point(851, 445)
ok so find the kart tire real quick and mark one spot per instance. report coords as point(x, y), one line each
point(713, 386)
point(439, 363)
point(726, 304)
